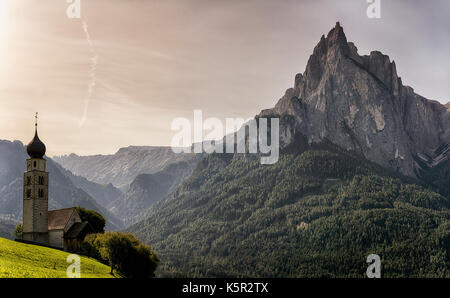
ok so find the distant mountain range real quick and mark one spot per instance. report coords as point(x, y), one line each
point(121, 168)
point(103, 194)
point(148, 189)
point(7, 227)
point(144, 175)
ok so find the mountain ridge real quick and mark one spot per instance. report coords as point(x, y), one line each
point(360, 104)
point(121, 168)
point(148, 189)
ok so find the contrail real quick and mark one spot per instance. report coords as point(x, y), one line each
point(92, 74)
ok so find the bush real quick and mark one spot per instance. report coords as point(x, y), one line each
point(18, 230)
point(89, 247)
point(95, 219)
point(123, 252)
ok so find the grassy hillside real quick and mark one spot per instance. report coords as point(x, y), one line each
point(19, 260)
point(316, 213)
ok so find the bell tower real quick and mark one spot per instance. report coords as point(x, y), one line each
point(35, 193)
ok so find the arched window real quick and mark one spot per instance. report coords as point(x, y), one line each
point(28, 193)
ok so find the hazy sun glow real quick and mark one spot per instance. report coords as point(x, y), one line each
point(4, 8)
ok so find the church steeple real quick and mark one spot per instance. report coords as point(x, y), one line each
point(36, 149)
point(35, 193)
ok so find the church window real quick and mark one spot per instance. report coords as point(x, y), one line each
point(28, 180)
point(34, 164)
point(41, 180)
point(28, 193)
point(41, 193)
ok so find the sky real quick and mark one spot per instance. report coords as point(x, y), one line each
point(122, 72)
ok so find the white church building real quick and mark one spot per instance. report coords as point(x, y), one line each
point(61, 228)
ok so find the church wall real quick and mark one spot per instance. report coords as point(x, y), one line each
point(40, 218)
point(41, 238)
point(36, 237)
point(27, 236)
point(56, 238)
point(27, 215)
point(35, 197)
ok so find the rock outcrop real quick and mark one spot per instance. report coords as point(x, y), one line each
point(359, 103)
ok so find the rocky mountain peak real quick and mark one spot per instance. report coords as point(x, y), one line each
point(329, 51)
point(336, 37)
point(360, 104)
point(335, 40)
point(447, 105)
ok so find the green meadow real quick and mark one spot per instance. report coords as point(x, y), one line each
point(19, 260)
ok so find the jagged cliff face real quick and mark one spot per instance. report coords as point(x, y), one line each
point(359, 103)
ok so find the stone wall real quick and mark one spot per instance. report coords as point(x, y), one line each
point(56, 238)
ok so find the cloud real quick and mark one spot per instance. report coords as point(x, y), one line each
point(92, 74)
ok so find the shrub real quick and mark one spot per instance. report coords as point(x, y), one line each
point(123, 252)
point(18, 230)
point(95, 219)
point(90, 247)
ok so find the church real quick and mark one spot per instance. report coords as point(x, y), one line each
point(61, 228)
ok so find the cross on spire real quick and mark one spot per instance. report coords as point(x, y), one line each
point(36, 118)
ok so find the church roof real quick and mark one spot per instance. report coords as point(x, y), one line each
point(36, 149)
point(58, 219)
point(78, 230)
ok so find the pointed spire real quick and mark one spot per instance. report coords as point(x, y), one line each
point(35, 124)
point(336, 37)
